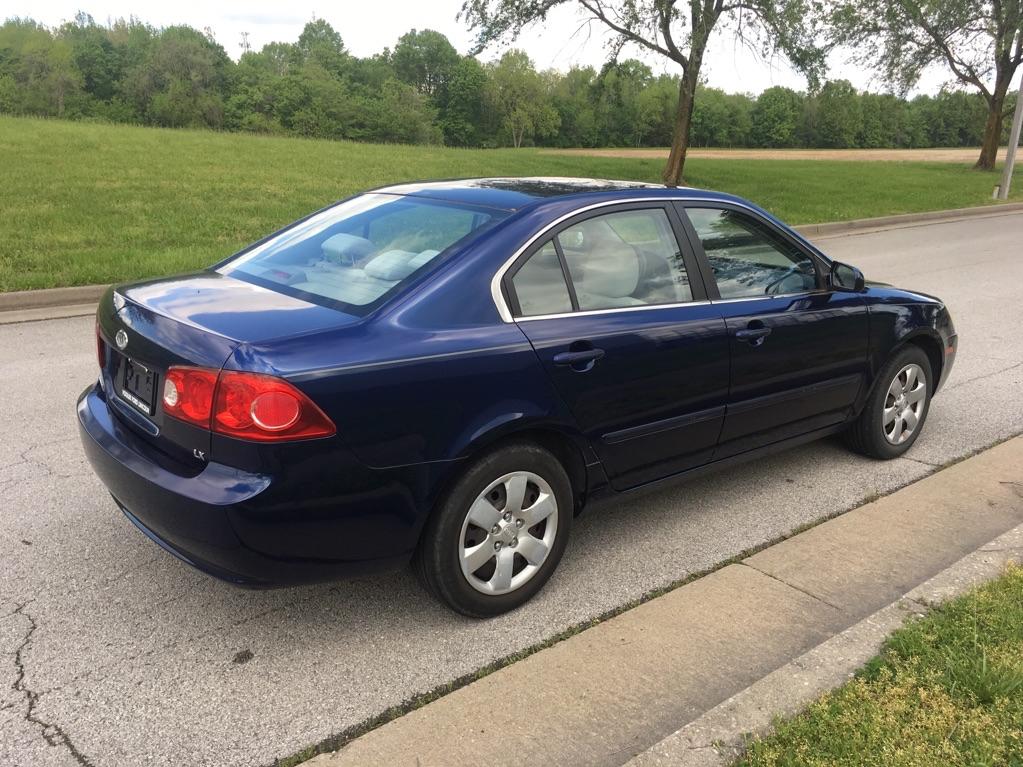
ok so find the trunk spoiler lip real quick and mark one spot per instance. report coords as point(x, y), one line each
point(122, 299)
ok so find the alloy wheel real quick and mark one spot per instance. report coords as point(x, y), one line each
point(904, 404)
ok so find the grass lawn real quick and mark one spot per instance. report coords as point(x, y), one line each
point(946, 690)
point(92, 203)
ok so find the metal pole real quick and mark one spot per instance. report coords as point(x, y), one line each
point(1010, 154)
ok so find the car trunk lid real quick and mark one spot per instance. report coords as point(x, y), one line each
point(197, 320)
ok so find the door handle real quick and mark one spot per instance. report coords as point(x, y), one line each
point(753, 336)
point(582, 360)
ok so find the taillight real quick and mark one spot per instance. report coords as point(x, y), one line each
point(188, 394)
point(101, 349)
point(266, 409)
point(244, 405)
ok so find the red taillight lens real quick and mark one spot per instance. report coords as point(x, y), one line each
point(101, 349)
point(188, 394)
point(243, 405)
point(266, 409)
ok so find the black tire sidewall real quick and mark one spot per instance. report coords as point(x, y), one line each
point(439, 563)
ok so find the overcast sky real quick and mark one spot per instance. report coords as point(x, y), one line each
point(368, 26)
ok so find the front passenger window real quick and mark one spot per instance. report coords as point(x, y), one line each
point(748, 259)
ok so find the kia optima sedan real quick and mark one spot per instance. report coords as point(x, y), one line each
point(448, 373)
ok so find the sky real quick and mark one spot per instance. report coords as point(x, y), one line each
point(368, 26)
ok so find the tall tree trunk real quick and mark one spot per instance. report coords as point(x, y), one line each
point(680, 135)
point(993, 126)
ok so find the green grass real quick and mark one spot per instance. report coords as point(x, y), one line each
point(94, 203)
point(946, 690)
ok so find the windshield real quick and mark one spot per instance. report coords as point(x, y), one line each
point(358, 251)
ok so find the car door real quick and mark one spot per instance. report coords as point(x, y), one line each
point(617, 313)
point(798, 348)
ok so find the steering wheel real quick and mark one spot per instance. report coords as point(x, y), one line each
point(772, 287)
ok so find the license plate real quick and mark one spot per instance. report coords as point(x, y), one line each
point(138, 384)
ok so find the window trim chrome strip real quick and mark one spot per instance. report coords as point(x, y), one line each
point(505, 311)
point(611, 310)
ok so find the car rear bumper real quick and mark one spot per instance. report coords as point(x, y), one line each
point(254, 529)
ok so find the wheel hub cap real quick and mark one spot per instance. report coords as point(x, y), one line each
point(508, 533)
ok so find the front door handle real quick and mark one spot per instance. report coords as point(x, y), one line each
point(581, 360)
point(754, 336)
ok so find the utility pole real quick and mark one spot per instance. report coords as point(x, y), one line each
point(1010, 154)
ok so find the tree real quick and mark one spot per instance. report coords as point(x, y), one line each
point(678, 34)
point(974, 39)
point(518, 99)
point(425, 61)
point(322, 45)
point(182, 80)
point(775, 118)
point(572, 97)
point(840, 119)
point(462, 116)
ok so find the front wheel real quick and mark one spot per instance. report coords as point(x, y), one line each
point(499, 533)
point(896, 408)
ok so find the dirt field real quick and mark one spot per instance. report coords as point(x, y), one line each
point(960, 155)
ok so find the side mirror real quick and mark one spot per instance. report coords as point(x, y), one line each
point(845, 277)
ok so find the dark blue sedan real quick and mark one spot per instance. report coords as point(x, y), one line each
point(449, 372)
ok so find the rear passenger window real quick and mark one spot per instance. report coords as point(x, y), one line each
point(627, 258)
point(540, 284)
point(747, 258)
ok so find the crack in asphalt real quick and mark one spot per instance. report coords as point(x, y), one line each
point(25, 458)
point(96, 673)
point(53, 734)
point(959, 383)
point(917, 460)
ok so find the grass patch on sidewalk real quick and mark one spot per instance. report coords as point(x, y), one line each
point(946, 689)
point(95, 203)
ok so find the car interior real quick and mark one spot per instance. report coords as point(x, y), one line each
point(361, 257)
point(616, 260)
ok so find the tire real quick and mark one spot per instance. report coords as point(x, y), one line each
point(869, 434)
point(483, 571)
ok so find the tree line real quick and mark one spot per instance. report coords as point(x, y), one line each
point(424, 92)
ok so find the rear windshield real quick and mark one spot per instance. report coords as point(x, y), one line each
point(358, 252)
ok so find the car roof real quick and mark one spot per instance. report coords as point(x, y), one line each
point(513, 194)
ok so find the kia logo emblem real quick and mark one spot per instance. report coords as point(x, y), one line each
point(121, 339)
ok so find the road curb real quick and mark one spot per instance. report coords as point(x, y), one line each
point(718, 737)
point(46, 297)
point(85, 295)
point(625, 685)
point(836, 227)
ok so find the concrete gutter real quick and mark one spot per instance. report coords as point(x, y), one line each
point(33, 305)
point(794, 619)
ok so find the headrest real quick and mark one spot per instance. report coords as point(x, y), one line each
point(346, 248)
point(396, 265)
point(610, 267)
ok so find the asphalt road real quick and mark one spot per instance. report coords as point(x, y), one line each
point(115, 653)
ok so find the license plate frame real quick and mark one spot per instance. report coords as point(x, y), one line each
point(138, 385)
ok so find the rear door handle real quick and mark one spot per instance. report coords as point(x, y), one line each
point(581, 360)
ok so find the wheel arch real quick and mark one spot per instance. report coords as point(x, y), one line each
point(566, 448)
point(569, 449)
point(931, 345)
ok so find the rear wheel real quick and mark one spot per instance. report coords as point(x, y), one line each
point(896, 408)
point(499, 533)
